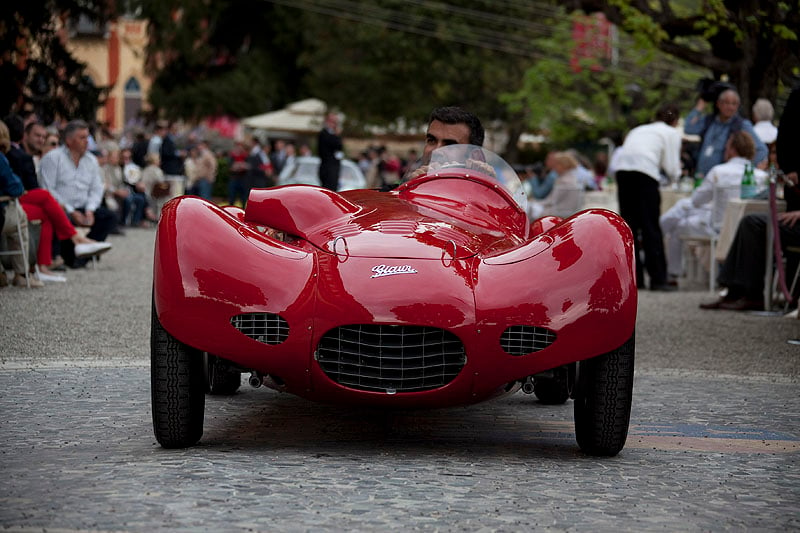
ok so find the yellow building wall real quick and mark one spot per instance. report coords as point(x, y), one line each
point(117, 58)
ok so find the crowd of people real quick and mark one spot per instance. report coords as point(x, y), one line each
point(81, 185)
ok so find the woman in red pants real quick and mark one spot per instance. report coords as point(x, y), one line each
point(39, 204)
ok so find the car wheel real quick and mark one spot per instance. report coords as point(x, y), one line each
point(177, 388)
point(555, 387)
point(221, 377)
point(603, 396)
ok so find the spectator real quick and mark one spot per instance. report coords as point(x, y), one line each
point(140, 148)
point(582, 172)
point(154, 143)
point(743, 270)
point(11, 185)
point(154, 186)
point(541, 179)
point(648, 149)
point(33, 141)
point(21, 162)
point(695, 216)
point(715, 128)
point(278, 156)
point(566, 196)
point(172, 161)
point(73, 177)
point(259, 167)
point(51, 142)
point(117, 196)
point(762, 115)
point(205, 170)
point(329, 146)
point(132, 175)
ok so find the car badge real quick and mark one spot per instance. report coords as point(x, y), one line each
point(379, 271)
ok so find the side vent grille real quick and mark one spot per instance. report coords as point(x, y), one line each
point(522, 340)
point(262, 327)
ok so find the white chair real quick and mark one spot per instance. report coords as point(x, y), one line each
point(22, 236)
point(721, 195)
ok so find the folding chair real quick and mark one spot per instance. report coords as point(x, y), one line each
point(22, 236)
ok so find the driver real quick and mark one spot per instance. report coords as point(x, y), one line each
point(446, 126)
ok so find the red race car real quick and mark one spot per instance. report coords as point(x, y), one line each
point(438, 293)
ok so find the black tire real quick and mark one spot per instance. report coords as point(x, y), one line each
point(603, 397)
point(555, 388)
point(221, 377)
point(177, 388)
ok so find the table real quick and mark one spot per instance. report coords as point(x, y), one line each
point(736, 210)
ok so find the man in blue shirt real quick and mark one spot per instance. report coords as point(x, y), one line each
point(715, 129)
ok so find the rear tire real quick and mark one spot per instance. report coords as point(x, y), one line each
point(222, 378)
point(603, 397)
point(177, 388)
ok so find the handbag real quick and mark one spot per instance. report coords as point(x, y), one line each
point(160, 190)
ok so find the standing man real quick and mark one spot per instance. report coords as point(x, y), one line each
point(648, 150)
point(715, 128)
point(172, 162)
point(72, 175)
point(329, 146)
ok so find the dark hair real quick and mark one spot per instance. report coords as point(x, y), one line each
point(16, 127)
point(456, 115)
point(33, 124)
point(668, 113)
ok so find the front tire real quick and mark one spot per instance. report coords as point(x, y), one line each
point(177, 388)
point(603, 397)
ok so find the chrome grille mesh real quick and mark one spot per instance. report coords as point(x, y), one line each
point(263, 327)
point(390, 358)
point(521, 340)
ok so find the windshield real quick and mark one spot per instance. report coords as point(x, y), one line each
point(475, 158)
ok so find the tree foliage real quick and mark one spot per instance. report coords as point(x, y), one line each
point(38, 71)
point(754, 43)
point(603, 97)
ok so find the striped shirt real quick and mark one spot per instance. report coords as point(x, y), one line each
point(74, 187)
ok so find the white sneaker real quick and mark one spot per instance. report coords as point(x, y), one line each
point(91, 248)
point(51, 277)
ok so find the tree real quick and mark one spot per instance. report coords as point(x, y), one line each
point(752, 42)
point(38, 71)
point(579, 103)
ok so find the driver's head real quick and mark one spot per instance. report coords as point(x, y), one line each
point(451, 125)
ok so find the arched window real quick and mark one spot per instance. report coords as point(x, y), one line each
point(132, 86)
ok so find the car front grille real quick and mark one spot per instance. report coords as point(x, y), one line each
point(268, 328)
point(390, 358)
point(522, 340)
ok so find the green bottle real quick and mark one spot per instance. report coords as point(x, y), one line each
point(748, 183)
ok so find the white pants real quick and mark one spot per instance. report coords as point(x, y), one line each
point(682, 219)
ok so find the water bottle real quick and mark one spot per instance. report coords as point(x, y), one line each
point(748, 183)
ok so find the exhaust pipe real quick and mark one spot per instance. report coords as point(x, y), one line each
point(255, 380)
point(527, 386)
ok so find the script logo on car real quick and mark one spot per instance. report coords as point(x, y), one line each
point(385, 270)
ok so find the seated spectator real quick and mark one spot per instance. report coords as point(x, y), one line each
point(744, 267)
point(694, 215)
point(73, 177)
point(540, 180)
point(204, 165)
point(154, 185)
point(132, 175)
point(566, 197)
point(117, 194)
point(11, 185)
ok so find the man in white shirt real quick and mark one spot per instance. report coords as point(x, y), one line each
point(695, 215)
point(72, 175)
point(648, 150)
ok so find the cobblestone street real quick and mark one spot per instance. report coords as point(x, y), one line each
point(713, 444)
